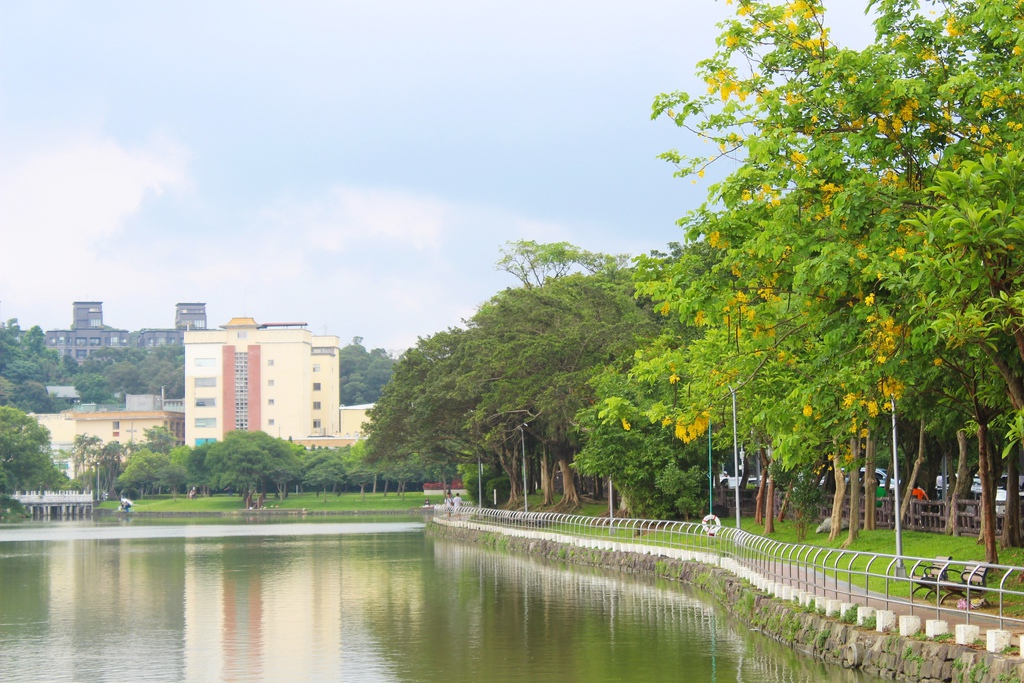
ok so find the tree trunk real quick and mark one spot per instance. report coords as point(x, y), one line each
point(362, 492)
point(547, 483)
point(769, 518)
point(854, 493)
point(762, 488)
point(1011, 515)
point(918, 461)
point(375, 482)
point(958, 487)
point(570, 498)
point(988, 507)
point(785, 504)
point(509, 459)
point(870, 485)
point(840, 495)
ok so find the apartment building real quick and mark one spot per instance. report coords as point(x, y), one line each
point(88, 333)
point(279, 378)
point(122, 423)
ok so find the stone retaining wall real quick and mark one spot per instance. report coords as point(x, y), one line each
point(830, 640)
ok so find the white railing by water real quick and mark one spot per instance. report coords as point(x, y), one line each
point(52, 497)
point(793, 571)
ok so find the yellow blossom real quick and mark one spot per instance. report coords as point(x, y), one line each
point(808, 410)
point(626, 425)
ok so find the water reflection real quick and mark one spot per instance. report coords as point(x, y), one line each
point(349, 602)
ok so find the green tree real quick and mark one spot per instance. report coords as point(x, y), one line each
point(25, 460)
point(93, 388)
point(363, 373)
point(324, 469)
point(244, 461)
point(158, 440)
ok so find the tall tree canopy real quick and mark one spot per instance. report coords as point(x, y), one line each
point(850, 185)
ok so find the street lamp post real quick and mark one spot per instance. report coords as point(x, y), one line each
point(900, 569)
point(711, 475)
point(735, 458)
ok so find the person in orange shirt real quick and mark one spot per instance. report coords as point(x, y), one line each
point(919, 493)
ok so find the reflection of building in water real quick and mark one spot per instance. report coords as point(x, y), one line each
point(298, 616)
point(259, 623)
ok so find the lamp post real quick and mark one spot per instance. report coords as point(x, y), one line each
point(735, 458)
point(522, 439)
point(711, 475)
point(479, 482)
point(900, 569)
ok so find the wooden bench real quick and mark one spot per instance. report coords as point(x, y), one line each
point(972, 578)
point(930, 577)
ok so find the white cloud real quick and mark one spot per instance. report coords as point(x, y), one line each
point(59, 205)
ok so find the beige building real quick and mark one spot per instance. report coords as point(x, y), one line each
point(349, 431)
point(109, 423)
point(276, 377)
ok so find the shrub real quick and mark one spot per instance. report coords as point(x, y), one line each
point(503, 486)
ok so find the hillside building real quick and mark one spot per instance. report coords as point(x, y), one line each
point(88, 334)
point(276, 377)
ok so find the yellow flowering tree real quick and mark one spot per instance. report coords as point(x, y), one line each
point(830, 151)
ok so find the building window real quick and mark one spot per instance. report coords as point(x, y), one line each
point(242, 392)
point(116, 425)
point(270, 362)
point(270, 382)
point(203, 422)
point(243, 335)
point(270, 422)
point(205, 382)
point(316, 386)
point(270, 401)
point(201, 442)
point(206, 402)
point(81, 341)
point(316, 367)
point(316, 405)
point(94, 341)
point(316, 424)
point(205, 362)
point(81, 353)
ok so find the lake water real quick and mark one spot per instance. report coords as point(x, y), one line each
point(365, 600)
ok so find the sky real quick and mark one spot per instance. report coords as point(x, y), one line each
point(354, 166)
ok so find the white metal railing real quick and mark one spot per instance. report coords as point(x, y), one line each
point(885, 581)
point(52, 497)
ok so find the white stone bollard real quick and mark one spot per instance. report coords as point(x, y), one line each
point(786, 592)
point(864, 612)
point(884, 620)
point(997, 640)
point(798, 595)
point(821, 604)
point(832, 608)
point(845, 607)
point(935, 627)
point(909, 625)
point(807, 600)
point(966, 634)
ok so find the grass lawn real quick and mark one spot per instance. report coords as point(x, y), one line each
point(346, 502)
